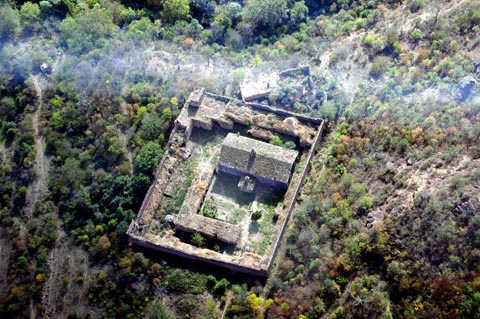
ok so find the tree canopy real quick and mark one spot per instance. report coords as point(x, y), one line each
point(176, 10)
point(30, 13)
point(86, 31)
point(269, 14)
point(9, 21)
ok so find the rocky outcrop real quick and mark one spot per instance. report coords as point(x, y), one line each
point(465, 87)
point(467, 209)
point(476, 68)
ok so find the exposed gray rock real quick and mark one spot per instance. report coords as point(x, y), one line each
point(395, 211)
point(185, 153)
point(476, 68)
point(311, 85)
point(465, 87)
point(465, 208)
point(370, 221)
point(248, 249)
point(171, 218)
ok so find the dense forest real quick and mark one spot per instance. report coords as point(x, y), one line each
point(387, 225)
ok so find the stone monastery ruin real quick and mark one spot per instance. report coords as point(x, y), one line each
point(222, 193)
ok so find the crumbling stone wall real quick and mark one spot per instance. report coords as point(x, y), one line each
point(239, 261)
point(293, 201)
point(305, 70)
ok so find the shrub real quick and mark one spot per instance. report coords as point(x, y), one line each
point(403, 145)
point(198, 240)
point(475, 150)
point(290, 145)
point(373, 43)
point(415, 5)
point(209, 211)
point(379, 67)
point(416, 34)
point(365, 204)
point(185, 281)
point(276, 141)
point(256, 215)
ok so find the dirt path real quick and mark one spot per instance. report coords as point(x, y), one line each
point(3, 152)
point(339, 301)
point(123, 137)
point(228, 301)
point(5, 249)
point(438, 8)
point(207, 163)
point(39, 187)
point(63, 288)
point(61, 291)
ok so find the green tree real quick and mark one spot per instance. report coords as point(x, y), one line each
point(58, 120)
point(7, 108)
point(9, 22)
point(30, 14)
point(144, 28)
point(22, 261)
point(364, 204)
point(274, 13)
point(147, 159)
point(178, 279)
point(266, 13)
point(176, 10)
point(152, 128)
point(68, 177)
point(86, 31)
point(298, 13)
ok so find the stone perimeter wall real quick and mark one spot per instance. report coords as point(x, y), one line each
point(305, 70)
point(311, 153)
point(228, 265)
point(146, 201)
point(286, 113)
point(138, 240)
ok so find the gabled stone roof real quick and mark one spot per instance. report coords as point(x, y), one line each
point(257, 158)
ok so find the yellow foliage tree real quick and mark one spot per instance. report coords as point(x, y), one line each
point(255, 303)
point(40, 277)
